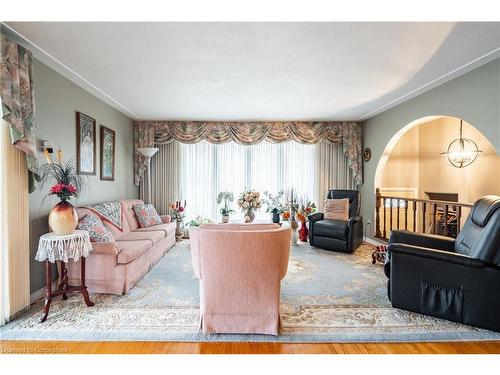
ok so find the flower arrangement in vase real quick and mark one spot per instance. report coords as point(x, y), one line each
point(304, 210)
point(177, 213)
point(225, 211)
point(275, 204)
point(249, 201)
point(66, 184)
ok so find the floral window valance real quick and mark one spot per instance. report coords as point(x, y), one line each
point(18, 101)
point(348, 134)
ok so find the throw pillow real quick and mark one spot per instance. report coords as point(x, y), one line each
point(337, 209)
point(97, 231)
point(147, 215)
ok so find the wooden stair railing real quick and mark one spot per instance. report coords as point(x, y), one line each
point(426, 216)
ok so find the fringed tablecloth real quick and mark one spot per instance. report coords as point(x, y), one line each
point(52, 247)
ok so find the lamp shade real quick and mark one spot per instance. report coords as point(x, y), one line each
point(148, 151)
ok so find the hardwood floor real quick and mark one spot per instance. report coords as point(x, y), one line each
point(145, 347)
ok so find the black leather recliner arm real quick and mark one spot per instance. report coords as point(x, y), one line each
point(398, 249)
point(353, 220)
point(316, 217)
point(312, 219)
point(400, 237)
point(422, 240)
point(355, 226)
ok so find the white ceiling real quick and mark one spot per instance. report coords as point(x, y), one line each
point(259, 71)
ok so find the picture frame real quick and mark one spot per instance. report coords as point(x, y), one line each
point(85, 144)
point(107, 138)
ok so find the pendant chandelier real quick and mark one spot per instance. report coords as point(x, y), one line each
point(462, 151)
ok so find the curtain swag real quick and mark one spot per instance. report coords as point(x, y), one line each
point(18, 101)
point(347, 134)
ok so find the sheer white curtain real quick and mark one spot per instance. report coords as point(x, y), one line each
point(198, 172)
point(206, 169)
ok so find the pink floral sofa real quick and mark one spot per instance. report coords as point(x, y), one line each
point(115, 267)
point(240, 268)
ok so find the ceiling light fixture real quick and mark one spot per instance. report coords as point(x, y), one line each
point(462, 151)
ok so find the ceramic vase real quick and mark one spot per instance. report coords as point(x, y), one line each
point(225, 219)
point(303, 231)
point(63, 218)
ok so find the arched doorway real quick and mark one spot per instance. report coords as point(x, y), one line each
point(411, 167)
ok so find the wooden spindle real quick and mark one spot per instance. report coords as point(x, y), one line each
point(423, 216)
point(385, 220)
point(446, 232)
point(459, 216)
point(390, 215)
point(434, 223)
point(406, 215)
point(377, 214)
point(397, 215)
point(414, 216)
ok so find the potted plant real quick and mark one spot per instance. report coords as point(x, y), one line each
point(275, 204)
point(66, 183)
point(195, 223)
point(249, 201)
point(225, 211)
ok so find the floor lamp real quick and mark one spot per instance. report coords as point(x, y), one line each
point(148, 153)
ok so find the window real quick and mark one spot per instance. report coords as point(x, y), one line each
point(208, 169)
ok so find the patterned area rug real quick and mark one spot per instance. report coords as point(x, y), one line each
point(326, 297)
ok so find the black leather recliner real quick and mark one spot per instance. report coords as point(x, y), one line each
point(337, 235)
point(458, 280)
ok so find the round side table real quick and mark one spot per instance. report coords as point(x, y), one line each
point(52, 248)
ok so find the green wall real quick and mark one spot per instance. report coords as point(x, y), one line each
point(57, 99)
point(474, 96)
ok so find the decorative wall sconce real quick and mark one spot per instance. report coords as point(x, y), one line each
point(462, 151)
point(48, 150)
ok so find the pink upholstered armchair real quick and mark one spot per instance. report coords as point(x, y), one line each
point(240, 268)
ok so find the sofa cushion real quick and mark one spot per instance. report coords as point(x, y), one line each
point(146, 215)
point(114, 230)
point(129, 213)
point(96, 229)
point(331, 229)
point(153, 236)
point(130, 250)
point(166, 228)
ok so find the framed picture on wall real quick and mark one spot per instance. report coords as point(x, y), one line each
point(85, 144)
point(107, 154)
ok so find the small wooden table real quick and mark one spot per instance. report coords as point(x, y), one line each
point(53, 248)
